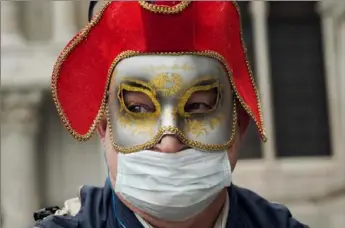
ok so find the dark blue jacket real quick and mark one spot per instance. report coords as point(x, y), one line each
point(247, 210)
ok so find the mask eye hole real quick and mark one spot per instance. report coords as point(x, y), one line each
point(199, 99)
point(138, 101)
point(202, 101)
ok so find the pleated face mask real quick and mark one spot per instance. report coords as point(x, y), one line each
point(172, 186)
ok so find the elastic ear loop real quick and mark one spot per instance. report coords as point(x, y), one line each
point(112, 193)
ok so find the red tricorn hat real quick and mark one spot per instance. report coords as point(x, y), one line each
point(120, 30)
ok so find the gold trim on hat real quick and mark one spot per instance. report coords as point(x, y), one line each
point(178, 8)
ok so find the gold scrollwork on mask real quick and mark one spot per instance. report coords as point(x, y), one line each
point(144, 126)
point(136, 126)
point(215, 121)
point(125, 120)
point(167, 84)
point(198, 128)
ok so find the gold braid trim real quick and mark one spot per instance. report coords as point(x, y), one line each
point(244, 105)
point(161, 9)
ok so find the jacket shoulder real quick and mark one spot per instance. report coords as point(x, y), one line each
point(89, 210)
point(54, 217)
point(57, 221)
point(265, 213)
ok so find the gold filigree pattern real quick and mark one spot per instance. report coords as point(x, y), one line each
point(214, 122)
point(125, 120)
point(143, 126)
point(196, 127)
point(136, 126)
point(167, 84)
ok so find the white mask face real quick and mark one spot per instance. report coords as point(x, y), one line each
point(168, 83)
point(172, 186)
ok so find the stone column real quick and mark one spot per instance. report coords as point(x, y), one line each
point(341, 73)
point(342, 76)
point(10, 32)
point(19, 162)
point(64, 24)
point(259, 14)
point(329, 32)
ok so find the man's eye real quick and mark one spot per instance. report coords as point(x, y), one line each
point(197, 107)
point(139, 109)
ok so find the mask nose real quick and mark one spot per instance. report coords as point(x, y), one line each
point(169, 117)
point(170, 144)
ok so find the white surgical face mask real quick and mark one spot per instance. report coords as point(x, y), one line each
point(172, 186)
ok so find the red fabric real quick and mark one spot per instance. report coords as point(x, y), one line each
point(127, 26)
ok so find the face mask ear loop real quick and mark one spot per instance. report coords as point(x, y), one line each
point(112, 192)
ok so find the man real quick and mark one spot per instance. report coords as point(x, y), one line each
point(169, 90)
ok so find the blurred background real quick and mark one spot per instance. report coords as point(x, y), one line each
point(297, 51)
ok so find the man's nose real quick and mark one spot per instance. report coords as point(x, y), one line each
point(169, 144)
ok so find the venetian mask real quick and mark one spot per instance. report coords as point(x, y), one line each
point(188, 96)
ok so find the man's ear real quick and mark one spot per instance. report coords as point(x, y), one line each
point(102, 129)
point(242, 119)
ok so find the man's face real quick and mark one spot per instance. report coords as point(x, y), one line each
point(170, 103)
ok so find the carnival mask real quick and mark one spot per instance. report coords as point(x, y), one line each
point(168, 84)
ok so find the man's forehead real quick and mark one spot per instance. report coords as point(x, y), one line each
point(148, 64)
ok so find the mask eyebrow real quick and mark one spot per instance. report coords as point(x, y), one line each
point(205, 81)
point(139, 84)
